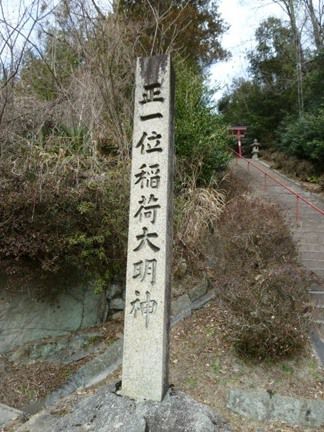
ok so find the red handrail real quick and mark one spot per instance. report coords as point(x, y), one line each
point(291, 191)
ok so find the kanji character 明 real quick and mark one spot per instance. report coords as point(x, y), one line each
point(145, 269)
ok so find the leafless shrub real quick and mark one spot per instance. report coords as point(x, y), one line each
point(255, 235)
point(268, 314)
point(264, 290)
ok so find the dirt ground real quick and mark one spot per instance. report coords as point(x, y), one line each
point(22, 384)
point(203, 365)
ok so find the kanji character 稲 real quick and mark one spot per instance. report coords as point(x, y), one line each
point(148, 176)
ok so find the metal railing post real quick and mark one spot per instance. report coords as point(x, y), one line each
point(297, 210)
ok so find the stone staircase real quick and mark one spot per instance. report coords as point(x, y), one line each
point(306, 225)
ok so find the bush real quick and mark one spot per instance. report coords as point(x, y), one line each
point(291, 165)
point(269, 314)
point(255, 236)
point(62, 218)
point(303, 138)
point(264, 292)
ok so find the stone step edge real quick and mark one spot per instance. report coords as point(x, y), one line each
point(267, 406)
point(310, 251)
point(306, 251)
point(318, 345)
point(301, 245)
point(319, 261)
point(301, 230)
point(8, 414)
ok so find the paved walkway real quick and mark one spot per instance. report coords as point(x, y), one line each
point(306, 225)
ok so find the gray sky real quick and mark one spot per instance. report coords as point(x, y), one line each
point(243, 16)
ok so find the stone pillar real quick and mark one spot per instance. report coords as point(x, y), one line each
point(146, 340)
point(255, 149)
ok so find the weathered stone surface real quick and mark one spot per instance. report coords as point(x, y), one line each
point(114, 290)
point(262, 406)
point(23, 319)
point(117, 304)
point(7, 414)
point(180, 308)
point(61, 349)
point(91, 373)
point(95, 370)
point(201, 301)
point(250, 404)
point(199, 289)
point(107, 412)
point(145, 362)
point(117, 316)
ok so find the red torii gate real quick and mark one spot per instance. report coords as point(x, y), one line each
point(239, 131)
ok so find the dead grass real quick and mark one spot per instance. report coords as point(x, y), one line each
point(204, 365)
point(197, 211)
point(25, 384)
point(22, 385)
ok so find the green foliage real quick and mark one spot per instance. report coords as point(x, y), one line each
point(313, 81)
point(63, 224)
point(64, 177)
point(262, 102)
point(267, 103)
point(250, 105)
point(201, 136)
point(304, 138)
point(292, 166)
point(272, 63)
